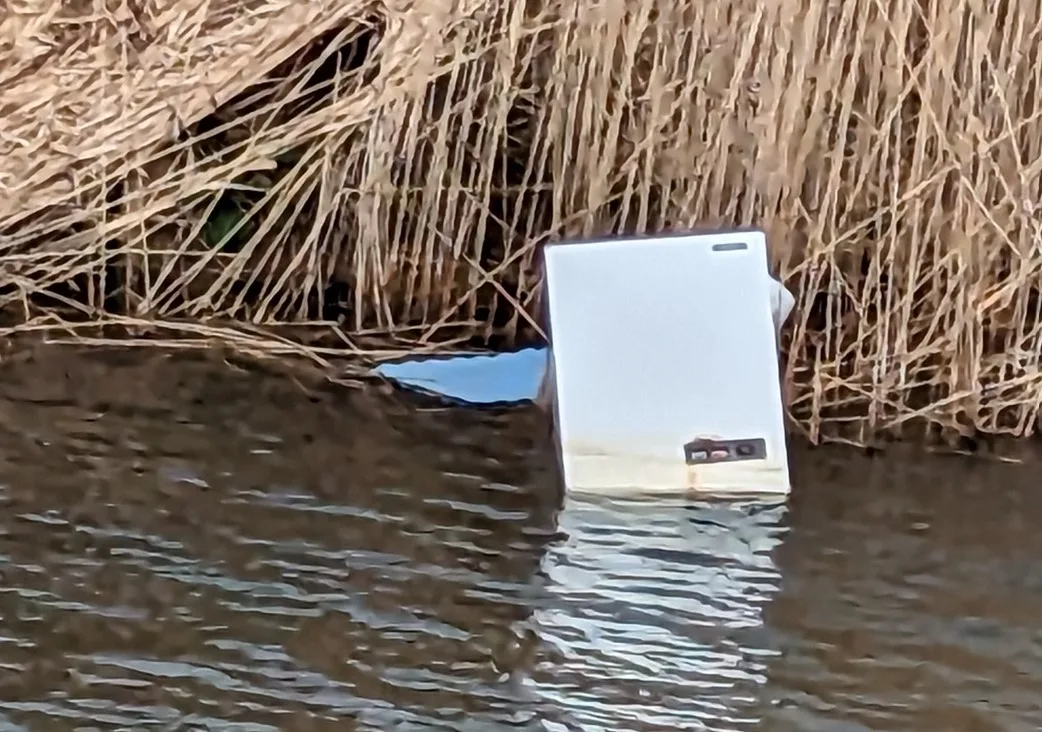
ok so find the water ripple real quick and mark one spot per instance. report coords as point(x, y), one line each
point(181, 548)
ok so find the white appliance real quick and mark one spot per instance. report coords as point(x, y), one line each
point(663, 364)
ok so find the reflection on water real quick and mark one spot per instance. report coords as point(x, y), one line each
point(186, 547)
point(656, 612)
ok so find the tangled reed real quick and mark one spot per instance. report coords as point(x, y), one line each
point(331, 178)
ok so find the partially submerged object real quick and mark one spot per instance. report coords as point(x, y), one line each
point(663, 373)
point(479, 379)
point(694, 400)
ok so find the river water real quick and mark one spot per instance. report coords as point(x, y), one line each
point(190, 547)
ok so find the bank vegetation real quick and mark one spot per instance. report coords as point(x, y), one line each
point(332, 179)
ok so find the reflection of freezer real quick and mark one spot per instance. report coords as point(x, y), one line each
point(654, 614)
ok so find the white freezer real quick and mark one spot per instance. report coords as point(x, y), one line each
point(657, 342)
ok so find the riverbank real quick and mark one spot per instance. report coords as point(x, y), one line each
point(330, 180)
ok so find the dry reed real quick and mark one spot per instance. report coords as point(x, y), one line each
point(315, 177)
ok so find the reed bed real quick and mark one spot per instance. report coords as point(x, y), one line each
point(328, 179)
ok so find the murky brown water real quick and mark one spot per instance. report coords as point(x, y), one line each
point(185, 547)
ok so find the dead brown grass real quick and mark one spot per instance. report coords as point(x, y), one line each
point(318, 178)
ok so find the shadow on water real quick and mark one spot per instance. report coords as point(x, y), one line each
point(187, 547)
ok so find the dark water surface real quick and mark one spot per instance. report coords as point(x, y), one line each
point(185, 547)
